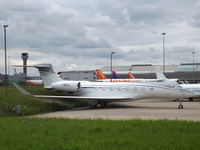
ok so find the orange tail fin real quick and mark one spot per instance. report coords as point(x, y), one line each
point(100, 75)
point(131, 76)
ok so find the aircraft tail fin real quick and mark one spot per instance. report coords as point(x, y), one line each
point(100, 75)
point(115, 75)
point(47, 74)
point(131, 76)
point(160, 75)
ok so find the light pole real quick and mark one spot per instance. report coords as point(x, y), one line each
point(8, 66)
point(6, 78)
point(163, 34)
point(193, 53)
point(111, 64)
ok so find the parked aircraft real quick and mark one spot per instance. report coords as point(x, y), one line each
point(115, 75)
point(160, 77)
point(161, 80)
point(34, 82)
point(105, 92)
point(195, 88)
point(131, 76)
point(103, 78)
point(100, 75)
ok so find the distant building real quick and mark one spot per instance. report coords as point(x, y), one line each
point(185, 72)
point(16, 77)
point(78, 75)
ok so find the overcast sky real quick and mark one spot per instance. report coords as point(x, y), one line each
point(81, 34)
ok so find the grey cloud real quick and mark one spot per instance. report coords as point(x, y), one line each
point(89, 43)
point(152, 55)
point(195, 17)
point(180, 54)
point(88, 31)
point(86, 53)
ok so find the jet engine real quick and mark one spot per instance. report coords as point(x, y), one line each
point(69, 86)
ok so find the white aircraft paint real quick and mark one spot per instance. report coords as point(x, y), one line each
point(107, 91)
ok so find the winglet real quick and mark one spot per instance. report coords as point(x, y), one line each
point(131, 76)
point(100, 75)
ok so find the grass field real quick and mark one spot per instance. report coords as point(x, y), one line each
point(32, 105)
point(60, 134)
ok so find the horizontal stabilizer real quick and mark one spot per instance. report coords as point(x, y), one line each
point(22, 65)
point(22, 90)
point(36, 66)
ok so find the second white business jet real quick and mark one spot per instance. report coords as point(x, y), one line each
point(105, 92)
point(195, 88)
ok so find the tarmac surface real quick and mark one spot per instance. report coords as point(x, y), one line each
point(141, 109)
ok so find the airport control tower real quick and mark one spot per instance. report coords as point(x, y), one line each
point(25, 58)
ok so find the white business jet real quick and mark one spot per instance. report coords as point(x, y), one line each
point(195, 88)
point(105, 92)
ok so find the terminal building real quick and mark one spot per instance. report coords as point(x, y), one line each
point(78, 75)
point(187, 72)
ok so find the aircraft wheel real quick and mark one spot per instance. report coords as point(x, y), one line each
point(180, 106)
point(93, 105)
point(104, 104)
point(190, 99)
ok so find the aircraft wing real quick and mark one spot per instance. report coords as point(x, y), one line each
point(118, 98)
point(84, 97)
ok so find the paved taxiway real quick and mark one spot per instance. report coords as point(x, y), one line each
point(142, 109)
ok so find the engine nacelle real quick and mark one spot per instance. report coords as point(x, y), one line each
point(69, 86)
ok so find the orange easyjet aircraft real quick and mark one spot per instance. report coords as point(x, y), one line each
point(131, 76)
point(160, 79)
point(103, 78)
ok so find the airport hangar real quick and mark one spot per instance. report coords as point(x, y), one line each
point(187, 72)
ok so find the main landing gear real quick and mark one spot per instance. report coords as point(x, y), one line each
point(190, 99)
point(180, 106)
point(98, 104)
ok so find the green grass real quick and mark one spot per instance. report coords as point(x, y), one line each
point(31, 105)
point(59, 134)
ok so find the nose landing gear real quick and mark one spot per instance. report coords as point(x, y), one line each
point(180, 106)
